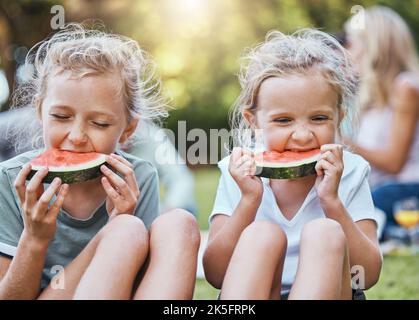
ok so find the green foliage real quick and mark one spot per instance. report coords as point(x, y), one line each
point(206, 182)
point(197, 44)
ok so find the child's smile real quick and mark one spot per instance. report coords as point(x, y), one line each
point(296, 112)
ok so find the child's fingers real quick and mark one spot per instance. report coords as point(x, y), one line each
point(126, 171)
point(333, 159)
point(319, 167)
point(34, 187)
point(236, 154)
point(324, 167)
point(246, 164)
point(123, 160)
point(249, 171)
point(247, 153)
point(243, 159)
point(328, 146)
point(117, 181)
point(110, 191)
point(336, 149)
point(253, 169)
point(58, 203)
point(46, 197)
point(248, 168)
point(20, 182)
point(329, 156)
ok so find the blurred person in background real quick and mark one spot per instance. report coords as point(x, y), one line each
point(384, 54)
point(151, 143)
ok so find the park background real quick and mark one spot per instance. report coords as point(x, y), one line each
point(196, 45)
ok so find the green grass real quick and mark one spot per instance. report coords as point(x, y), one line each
point(399, 280)
point(204, 291)
point(206, 182)
point(399, 277)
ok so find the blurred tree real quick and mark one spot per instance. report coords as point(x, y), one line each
point(23, 23)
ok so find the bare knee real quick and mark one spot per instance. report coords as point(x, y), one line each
point(265, 235)
point(178, 225)
point(324, 232)
point(126, 228)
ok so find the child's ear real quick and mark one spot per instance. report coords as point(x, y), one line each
point(129, 130)
point(250, 118)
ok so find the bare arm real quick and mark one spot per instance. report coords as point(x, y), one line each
point(20, 278)
point(362, 242)
point(406, 114)
point(224, 234)
point(23, 275)
point(225, 231)
point(361, 236)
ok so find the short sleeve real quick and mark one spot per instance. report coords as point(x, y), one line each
point(11, 221)
point(154, 145)
point(360, 204)
point(222, 203)
point(148, 207)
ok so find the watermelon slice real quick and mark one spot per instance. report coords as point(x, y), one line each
point(286, 165)
point(69, 166)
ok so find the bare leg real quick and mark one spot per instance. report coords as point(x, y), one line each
point(118, 258)
point(171, 270)
point(323, 269)
point(107, 266)
point(255, 268)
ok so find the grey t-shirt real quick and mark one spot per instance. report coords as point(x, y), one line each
point(72, 235)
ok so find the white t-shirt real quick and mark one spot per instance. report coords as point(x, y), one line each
point(354, 193)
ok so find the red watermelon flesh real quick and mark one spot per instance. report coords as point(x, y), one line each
point(67, 165)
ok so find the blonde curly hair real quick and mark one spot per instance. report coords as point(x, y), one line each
point(84, 50)
point(281, 55)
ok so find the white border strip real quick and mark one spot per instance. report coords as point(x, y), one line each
point(8, 249)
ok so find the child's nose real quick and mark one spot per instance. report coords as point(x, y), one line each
point(302, 134)
point(77, 135)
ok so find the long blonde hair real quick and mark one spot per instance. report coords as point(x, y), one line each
point(281, 55)
point(389, 49)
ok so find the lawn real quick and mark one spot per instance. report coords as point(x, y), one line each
point(399, 277)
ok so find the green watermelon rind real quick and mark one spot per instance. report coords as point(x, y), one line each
point(72, 176)
point(294, 172)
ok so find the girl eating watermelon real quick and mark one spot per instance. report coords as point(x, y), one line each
point(306, 225)
point(74, 233)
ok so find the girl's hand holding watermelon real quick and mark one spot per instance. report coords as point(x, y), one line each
point(242, 168)
point(123, 194)
point(329, 169)
point(39, 218)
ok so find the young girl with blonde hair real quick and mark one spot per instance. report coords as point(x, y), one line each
point(384, 54)
point(296, 238)
point(104, 236)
